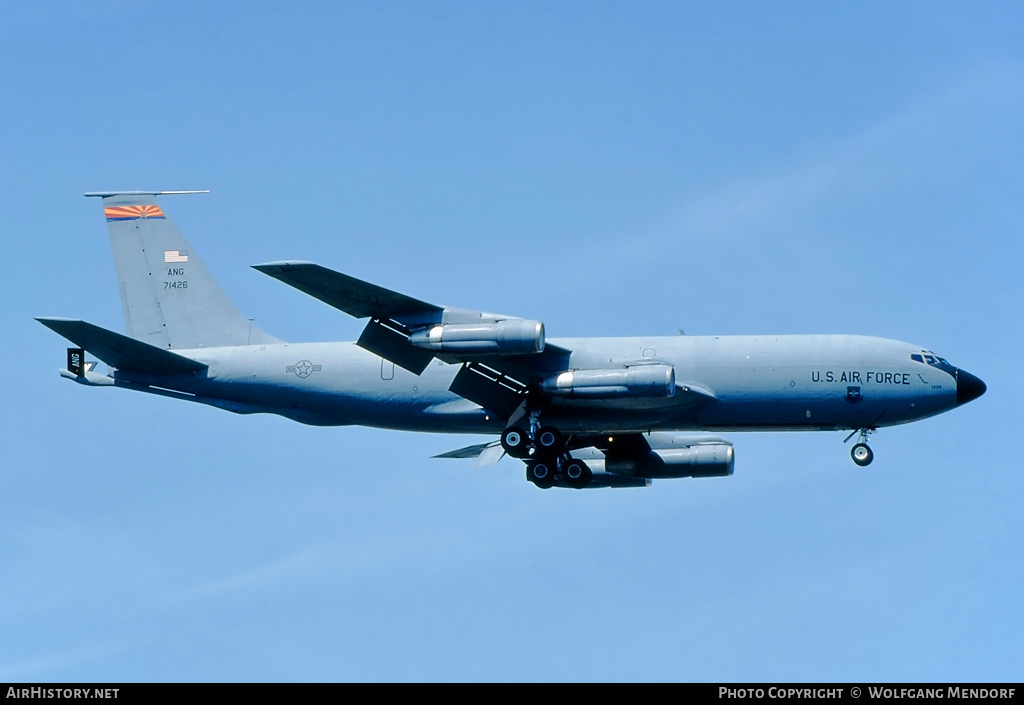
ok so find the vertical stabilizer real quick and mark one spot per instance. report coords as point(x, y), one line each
point(169, 297)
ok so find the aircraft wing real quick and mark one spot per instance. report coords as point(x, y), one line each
point(353, 296)
point(502, 357)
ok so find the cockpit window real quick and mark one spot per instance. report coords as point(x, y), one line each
point(928, 358)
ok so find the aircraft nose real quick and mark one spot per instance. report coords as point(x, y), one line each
point(968, 387)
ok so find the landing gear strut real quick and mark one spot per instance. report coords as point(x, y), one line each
point(862, 454)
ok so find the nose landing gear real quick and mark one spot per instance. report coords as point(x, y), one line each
point(861, 453)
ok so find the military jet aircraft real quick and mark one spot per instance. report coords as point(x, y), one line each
point(580, 412)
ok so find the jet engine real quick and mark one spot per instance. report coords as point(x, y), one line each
point(705, 460)
point(631, 381)
point(509, 337)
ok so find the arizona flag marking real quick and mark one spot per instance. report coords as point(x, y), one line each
point(132, 212)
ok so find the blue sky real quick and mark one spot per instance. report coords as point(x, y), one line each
point(608, 168)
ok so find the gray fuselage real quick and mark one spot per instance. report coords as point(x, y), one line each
point(787, 382)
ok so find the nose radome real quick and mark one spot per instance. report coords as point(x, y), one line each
point(968, 387)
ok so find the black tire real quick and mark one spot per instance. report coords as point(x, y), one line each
point(540, 473)
point(515, 442)
point(577, 474)
point(549, 440)
point(862, 454)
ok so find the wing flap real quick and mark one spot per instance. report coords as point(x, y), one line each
point(120, 351)
point(385, 340)
point(489, 388)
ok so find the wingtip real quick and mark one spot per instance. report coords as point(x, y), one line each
point(270, 266)
point(47, 320)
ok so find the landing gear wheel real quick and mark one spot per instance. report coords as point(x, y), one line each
point(540, 473)
point(515, 442)
point(548, 439)
point(577, 473)
point(862, 454)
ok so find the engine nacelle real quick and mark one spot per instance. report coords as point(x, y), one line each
point(509, 337)
point(632, 381)
point(705, 460)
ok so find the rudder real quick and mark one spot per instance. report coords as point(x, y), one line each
point(169, 298)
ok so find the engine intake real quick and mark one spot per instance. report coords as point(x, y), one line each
point(631, 381)
point(705, 460)
point(509, 337)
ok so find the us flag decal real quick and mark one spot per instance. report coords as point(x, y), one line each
point(175, 256)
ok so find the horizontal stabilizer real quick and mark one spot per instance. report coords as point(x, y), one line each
point(120, 351)
point(467, 452)
point(108, 194)
point(485, 453)
point(353, 296)
point(490, 455)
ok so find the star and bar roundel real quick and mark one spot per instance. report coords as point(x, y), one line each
point(132, 212)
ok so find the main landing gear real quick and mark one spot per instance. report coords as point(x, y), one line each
point(520, 443)
point(561, 471)
point(548, 463)
point(861, 452)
